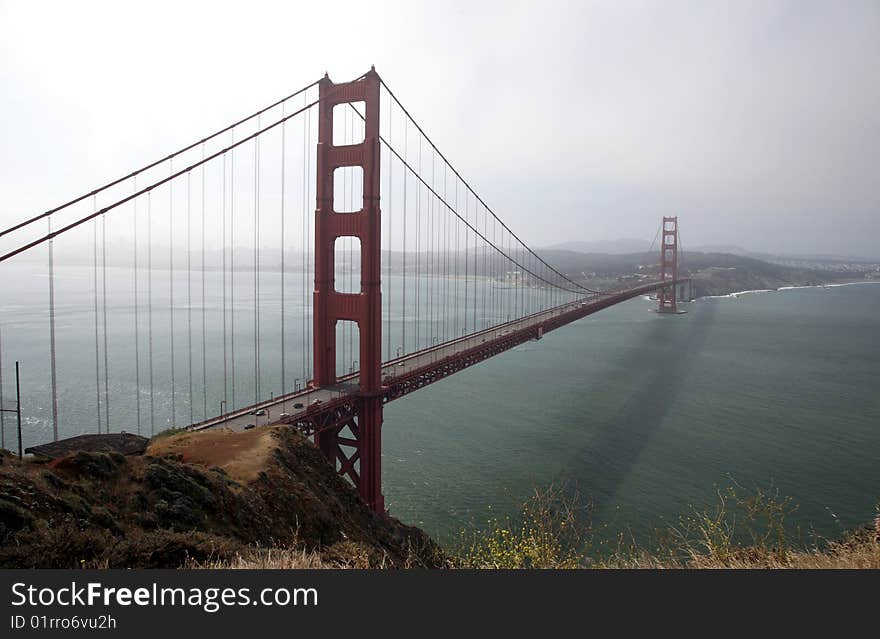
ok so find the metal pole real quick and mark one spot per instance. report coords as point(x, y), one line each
point(18, 407)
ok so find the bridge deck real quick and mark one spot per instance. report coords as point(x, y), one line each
point(406, 374)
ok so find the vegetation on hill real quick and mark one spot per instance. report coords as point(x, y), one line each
point(712, 273)
point(745, 529)
point(266, 498)
point(195, 498)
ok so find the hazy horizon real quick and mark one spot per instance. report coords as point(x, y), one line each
point(757, 123)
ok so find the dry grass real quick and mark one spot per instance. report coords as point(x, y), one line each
point(747, 529)
point(242, 455)
point(269, 558)
point(857, 553)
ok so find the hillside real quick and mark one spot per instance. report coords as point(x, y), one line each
point(195, 497)
point(266, 498)
point(712, 273)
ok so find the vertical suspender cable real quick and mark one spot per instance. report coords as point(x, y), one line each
point(104, 306)
point(390, 240)
point(447, 224)
point(171, 286)
point(455, 261)
point(189, 335)
point(477, 279)
point(432, 250)
point(256, 265)
point(350, 325)
point(223, 285)
point(232, 270)
point(511, 300)
point(204, 317)
point(308, 244)
point(97, 343)
point(486, 280)
point(304, 275)
point(137, 340)
point(467, 239)
point(150, 308)
point(445, 240)
point(517, 288)
point(406, 156)
point(52, 336)
point(283, 177)
point(418, 252)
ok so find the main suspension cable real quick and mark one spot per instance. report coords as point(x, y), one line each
point(159, 183)
point(154, 164)
point(458, 215)
point(465, 182)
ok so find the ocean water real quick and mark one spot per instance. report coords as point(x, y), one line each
point(646, 415)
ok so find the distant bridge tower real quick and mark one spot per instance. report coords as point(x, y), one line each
point(669, 265)
point(364, 417)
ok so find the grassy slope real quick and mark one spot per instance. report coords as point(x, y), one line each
point(194, 498)
point(266, 498)
point(745, 531)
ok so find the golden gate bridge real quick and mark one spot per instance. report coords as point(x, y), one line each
point(402, 295)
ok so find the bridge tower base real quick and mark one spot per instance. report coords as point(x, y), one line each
point(362, 418)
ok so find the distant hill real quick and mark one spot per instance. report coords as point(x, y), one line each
point(630, 246)
point(712, 273)
point(614, 247)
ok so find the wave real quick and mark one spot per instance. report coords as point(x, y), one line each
point(737, 294)
point(784, 288)
point(792, 288)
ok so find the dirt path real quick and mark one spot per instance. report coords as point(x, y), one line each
point(241, 454)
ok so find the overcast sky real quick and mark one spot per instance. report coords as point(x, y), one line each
point(756, 122)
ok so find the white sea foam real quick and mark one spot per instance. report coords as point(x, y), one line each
point(785, 288)
point(851, 283)
point(738, 294)
point(793, 288)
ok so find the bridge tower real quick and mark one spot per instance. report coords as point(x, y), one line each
point(667, 296)
point(364, 417)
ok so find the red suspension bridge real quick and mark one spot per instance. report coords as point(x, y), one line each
point(179, 294)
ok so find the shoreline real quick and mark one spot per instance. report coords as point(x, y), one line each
point(737, 294)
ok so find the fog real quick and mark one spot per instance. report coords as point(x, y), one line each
point(758, 123)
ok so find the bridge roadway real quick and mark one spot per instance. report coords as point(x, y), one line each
point(402, 375)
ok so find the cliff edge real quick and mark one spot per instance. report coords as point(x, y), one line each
point(194, 498)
